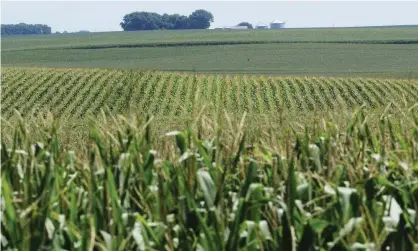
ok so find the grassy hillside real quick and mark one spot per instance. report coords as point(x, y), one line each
point(77, 92)
point(383, 52)
point(188, 36)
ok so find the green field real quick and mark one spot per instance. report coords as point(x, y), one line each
point(177, 99)
point(296, 139)
point(387, 52)
point(155, 38)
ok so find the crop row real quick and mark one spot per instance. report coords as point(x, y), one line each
point(78, 92)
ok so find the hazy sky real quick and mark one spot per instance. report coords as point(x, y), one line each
point(106, 15)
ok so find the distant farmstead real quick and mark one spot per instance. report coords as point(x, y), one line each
point(276, 24)
point(261, 26)
point(236, 28)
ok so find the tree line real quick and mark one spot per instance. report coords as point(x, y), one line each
point(199, 19)
point(24, 29)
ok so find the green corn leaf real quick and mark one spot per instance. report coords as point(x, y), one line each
point(181, 142)
point(203, 153)
point(208, 187)
point(307, 242)
point(288, 234)
point(115, 201)
point(250, 177)
point(10, 220)
point(291, 191)
point(318, 225)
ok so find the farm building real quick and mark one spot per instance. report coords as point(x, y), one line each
point(261, 26)
point(276, 24)
point(236, 28)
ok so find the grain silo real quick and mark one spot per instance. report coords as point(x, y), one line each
point(261, 26)
point(276, 24)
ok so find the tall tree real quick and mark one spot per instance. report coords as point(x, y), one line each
point(181, 23)
point(200, 19)
point(175, 21)
point(142, 21)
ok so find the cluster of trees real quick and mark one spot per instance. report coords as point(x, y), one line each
point(24, 29)
point(199, 19)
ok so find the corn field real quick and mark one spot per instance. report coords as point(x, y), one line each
point(79, 92)
point(294, 182)
point(326, 189)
